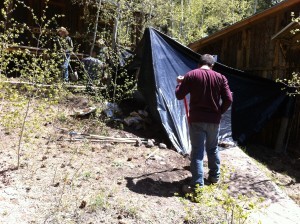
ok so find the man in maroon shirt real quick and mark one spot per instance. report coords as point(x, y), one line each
point(210, 97)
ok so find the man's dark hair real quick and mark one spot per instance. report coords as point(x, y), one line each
point(207, 59)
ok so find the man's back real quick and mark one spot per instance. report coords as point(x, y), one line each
point(207, 88)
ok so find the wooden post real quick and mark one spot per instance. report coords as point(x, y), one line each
point(279, 147)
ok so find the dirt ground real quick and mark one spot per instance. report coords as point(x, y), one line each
point(63, 181)
point(284, 170)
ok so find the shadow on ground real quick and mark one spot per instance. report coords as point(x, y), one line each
point(286, 163)
point(161, 184)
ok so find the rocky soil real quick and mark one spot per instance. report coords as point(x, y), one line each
point(62, 179)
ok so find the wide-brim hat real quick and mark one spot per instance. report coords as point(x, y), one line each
point(100, 42)
point(62, 29)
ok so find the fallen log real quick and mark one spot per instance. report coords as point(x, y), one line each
point(48, 85)
point(92, 136)
point(101, 140)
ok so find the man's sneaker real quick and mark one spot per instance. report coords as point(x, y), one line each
point(213, 180)
point(187, 189)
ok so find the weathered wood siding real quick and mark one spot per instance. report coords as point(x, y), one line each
point(294, 128)
point(251, 49)
point(71, 20)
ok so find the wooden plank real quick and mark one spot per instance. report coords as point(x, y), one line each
point(47, 85)
point(279, 146)
point(248, 48)
point(39, 50)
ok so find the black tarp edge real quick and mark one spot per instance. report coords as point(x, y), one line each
point(156, 55)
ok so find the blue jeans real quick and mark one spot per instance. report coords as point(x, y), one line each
point(204, 136)
point(65, 66)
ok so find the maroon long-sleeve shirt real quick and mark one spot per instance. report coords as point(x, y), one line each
point(206, 88)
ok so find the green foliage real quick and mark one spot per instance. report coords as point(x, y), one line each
point(87, 175)
point(216, 205)
point(62, 117)
point(99, 202)
point(39, 65)
point(37, 69)
point(294, 80)
point(183, 20)
point(194, 19)
point(261, 5)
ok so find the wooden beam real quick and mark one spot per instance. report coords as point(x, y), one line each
point(47, 85)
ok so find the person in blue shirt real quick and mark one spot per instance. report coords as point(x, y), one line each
point(66, 45)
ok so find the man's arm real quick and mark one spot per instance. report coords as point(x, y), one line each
point(182, 88)
point(226, 96)
point(69, 44)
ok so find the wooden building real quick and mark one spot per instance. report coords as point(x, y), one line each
point(71, 19)
point(77, 18)
point(263, 45)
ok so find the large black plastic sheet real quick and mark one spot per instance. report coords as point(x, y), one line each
point(256, 100)
point(161, 59)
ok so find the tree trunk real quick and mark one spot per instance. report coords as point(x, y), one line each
point(255, 6)
point(96, 27)
point(115, 30)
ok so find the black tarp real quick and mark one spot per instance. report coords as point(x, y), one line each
point(161, 59)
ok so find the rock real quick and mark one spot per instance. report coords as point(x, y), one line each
point(56, 184)
point(108, 146)
point(162, 146)
point(150, 143)
point(119, 217)
point(130, 165)
point(158, 158)
point(122, 222)
point(138, 142)
point(22, 165)
point(82, 204)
